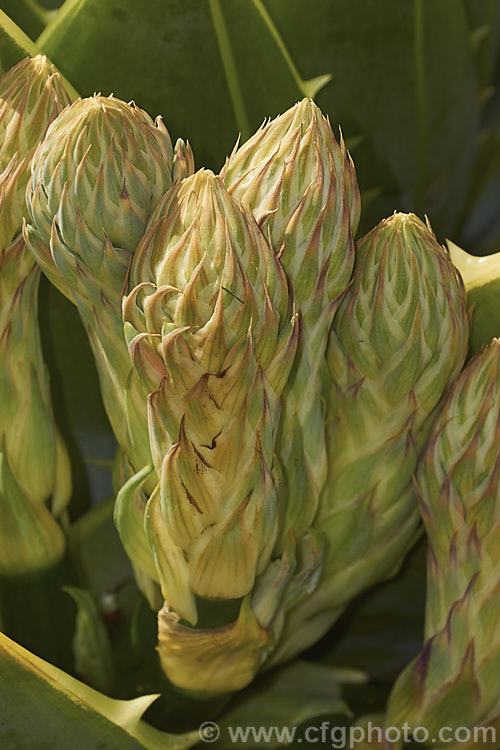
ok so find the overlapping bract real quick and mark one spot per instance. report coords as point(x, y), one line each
point(34, 467)
point(301, 187)
point(454, 681)
point(211, 333)
point(32, 94)
point(398, 342)
point(95, 181)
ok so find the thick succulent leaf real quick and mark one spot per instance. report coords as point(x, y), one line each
point(211, 69)
point(404, 82)
point(481, 276)
point(42, 706)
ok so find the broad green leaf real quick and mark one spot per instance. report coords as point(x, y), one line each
point(28, 14)
point(41, 707)
point(481, 277)
point(212, 69)
point(14, 44)
point(403, 78)
point(483, 18)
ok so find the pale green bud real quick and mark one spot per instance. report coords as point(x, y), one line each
point(398, 342)
point(402, 324)
point(209, 332)
point(301, 187)
point(454, 680)
point(37, 468)
point(32, 94)
point(31, 540)
point(95, 180)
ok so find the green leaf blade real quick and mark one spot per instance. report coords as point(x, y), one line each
point(210, 69)
point(14, 43)
point(41, 707)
